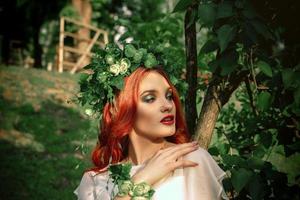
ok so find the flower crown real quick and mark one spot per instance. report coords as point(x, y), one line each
point(108, 68)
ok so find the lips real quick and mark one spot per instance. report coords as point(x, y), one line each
point(168, 120)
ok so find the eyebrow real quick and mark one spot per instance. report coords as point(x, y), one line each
point(153, 91)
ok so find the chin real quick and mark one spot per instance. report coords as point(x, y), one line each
point(168, 133)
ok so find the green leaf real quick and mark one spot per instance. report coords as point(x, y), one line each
point(209, 46)
point(261, 29)
point(207, 13)
point(265, 68)
point(288, 76)
point(256, 187)
point(249, 14)
point(234, 160)
point(297, 96)
point(225, 35)
point(264, 101)
point(224, 10)
point(255, 163)
point(240, 178)
point(228, 62)
point(182, 5)
point(118, 82)
point(213, 151)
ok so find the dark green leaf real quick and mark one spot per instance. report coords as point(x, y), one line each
point(209, 46)
point(182, 5)
point(249, 14)
point(288, 77)
point(224, 10)
point(261, 29)
point(228, 62)
point(297, 96)
point(255, 163)
point(225, 35)
point(213, 151)
point(234, 160)
point(256, 187)
point(207, 13)
point(240, 178)
point(265, 68)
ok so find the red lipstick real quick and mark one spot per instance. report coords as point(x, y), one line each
point(168, 120)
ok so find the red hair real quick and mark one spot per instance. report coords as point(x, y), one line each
point(118, 119)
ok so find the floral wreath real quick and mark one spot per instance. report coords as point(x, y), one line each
point(106, 74)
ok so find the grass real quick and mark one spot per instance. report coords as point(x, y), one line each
point(45, 141)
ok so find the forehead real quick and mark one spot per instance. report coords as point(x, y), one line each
point(153, 81)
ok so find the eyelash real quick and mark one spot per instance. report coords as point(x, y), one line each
point(150, 100)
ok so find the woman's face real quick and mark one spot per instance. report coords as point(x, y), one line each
point(155, 108)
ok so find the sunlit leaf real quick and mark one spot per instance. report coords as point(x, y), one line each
point(265, 68)
point(263, 101)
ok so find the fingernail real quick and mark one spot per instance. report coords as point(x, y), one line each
point(195, 142)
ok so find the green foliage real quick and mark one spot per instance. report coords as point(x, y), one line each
point(43, 152)
point(253, 127)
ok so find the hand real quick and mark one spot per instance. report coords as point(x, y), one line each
point(164, 162)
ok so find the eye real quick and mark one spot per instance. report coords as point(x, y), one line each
point(170, 96)
point(148, 98)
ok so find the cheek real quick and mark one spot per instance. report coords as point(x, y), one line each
point(146, 116)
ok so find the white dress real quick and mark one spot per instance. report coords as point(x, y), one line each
point(202, 182)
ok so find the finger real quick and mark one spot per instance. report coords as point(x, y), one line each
point(180, 152)
point(183, 163)
point(171, 150)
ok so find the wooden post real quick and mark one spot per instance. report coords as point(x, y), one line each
point(61, 45)
point(88, 49)
point(82, 53)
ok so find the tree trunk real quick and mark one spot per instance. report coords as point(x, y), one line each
point(215, 98)
point(191, 68)
point(208, 116)
point(84, 9)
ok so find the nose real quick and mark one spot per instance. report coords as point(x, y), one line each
point(166, 106)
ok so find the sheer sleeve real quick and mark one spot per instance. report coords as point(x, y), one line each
point(92, 187)
point(205, 180)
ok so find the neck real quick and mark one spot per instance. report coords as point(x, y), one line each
point(140, 149)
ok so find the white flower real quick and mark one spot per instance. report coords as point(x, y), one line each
point(115, 69)
point(89, 112)
point(124, 65)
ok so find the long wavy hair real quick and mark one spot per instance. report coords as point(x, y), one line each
point(119, 116)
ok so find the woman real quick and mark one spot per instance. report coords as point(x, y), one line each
point(145, 126)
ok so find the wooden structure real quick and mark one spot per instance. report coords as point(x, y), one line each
point(100, 38)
